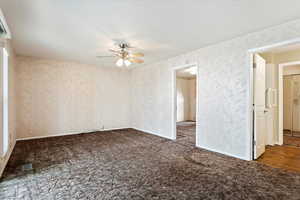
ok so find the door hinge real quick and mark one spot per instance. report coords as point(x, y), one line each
point(254, 142)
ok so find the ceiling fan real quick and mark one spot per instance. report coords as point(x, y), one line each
point(125, 56)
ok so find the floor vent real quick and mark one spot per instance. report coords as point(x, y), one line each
point(27, 167)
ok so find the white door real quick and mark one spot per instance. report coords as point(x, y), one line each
point(259, 73)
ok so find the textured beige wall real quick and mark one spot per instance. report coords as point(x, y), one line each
point(12, 106)
point(55, 97)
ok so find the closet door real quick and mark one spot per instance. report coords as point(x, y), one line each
point(296, 106)
point(287, 104)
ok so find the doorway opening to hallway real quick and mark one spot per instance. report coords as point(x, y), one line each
point(185, 104)
point(276, 106)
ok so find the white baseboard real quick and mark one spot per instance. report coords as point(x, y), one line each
point(224, 153)
point(279, 143)
point(69, 133)
point(152, 133)
point(210, 149)
point(90, 131)
point(6, 158)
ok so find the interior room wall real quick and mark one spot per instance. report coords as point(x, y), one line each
point(57, 97)
point(193, 98)
point(288, 56)
point(12, 104)
point(293, 69)
point(186, 99)
point(224, 91)
point(183, 99)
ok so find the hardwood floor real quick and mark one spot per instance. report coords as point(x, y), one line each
point(285, 157)
point(291, 141)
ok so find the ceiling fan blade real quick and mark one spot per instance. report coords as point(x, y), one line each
point(114, 50)
point(105, 56)
point(136, 55)
point(136, 60)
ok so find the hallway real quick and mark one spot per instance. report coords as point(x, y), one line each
point(186, 133)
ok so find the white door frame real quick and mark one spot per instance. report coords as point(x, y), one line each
point(280, 98)
point(174, 99)
point(251, 53)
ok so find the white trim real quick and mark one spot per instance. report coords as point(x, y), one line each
point(276, 45)
point(224, 153)
point(90, 131)
point(5, 139)
point(5, 102)
point(69, 133)
point(185, 66)
point(6, 158)
point(250, 108)
point(197, 106)
point(174, 99)
point(152, 133)
point(251, 93)
point(280, 102)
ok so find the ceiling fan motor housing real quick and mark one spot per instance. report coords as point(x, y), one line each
point(125, 54)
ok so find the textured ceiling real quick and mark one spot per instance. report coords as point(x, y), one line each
point(80, 30)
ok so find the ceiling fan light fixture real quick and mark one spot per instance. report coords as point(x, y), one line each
point(127, 63)
point(124, 55)
point(120, 62)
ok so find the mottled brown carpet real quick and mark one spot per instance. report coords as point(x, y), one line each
point(186, 133)
point(129, 164)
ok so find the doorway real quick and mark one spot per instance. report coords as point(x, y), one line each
point(185, 97)
point(276, 106)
